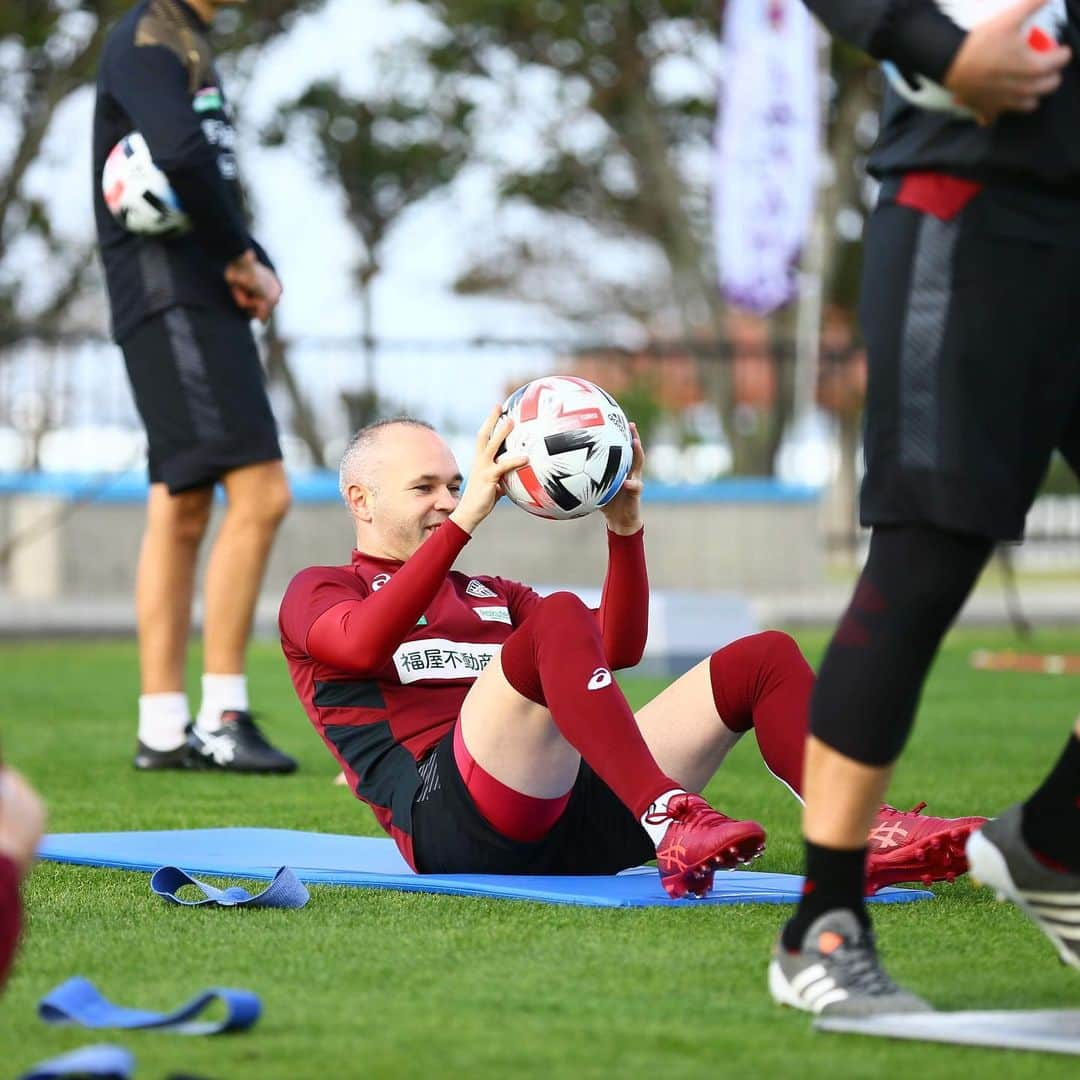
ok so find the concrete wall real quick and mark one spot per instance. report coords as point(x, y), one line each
point(61, 547)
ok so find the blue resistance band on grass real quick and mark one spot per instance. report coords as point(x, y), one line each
point(78, 1001)
point(101, 1060)
point(285, 891)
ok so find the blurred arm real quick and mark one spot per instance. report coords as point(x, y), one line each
point(915, 34)
point(260, 254)
point(150, 84)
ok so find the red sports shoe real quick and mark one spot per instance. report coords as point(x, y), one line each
point(699, 841)
point(904, 846)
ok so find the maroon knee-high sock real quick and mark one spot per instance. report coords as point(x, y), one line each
point(556, 658)
point(764, 682)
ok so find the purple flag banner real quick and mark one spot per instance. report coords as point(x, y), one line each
point(767, 139)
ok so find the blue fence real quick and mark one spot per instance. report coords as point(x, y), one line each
point(322, 486)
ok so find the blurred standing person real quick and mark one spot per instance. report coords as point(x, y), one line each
point(970, 272)
point(22, 821)
point(181, 310)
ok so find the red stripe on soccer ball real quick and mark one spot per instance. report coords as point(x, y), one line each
point(530, 402)
point(531, 483)
point(579, 418)
point(589, 416)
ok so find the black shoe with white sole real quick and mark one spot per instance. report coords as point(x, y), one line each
point(148, 759)
point(237, 746)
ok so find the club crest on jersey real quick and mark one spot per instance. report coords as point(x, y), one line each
point(378, 581)
point(480, 590)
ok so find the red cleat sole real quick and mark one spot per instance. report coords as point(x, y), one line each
point(940, 857)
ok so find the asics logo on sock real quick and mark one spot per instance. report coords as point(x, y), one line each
point(600, 678)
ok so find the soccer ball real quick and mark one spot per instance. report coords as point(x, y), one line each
point(137, 193)
point(1041, 29)
point(578, 444)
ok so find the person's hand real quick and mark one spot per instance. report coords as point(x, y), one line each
point(22, 819)
point(996, 70)
point(623, 512)
point(485, 477)
point(255, 288)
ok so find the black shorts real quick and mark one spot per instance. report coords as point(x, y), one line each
point(595, 835)
point(200, 390)
point(974, 365)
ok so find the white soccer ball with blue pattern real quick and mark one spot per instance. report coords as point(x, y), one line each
point(1042, 33)
point(578, 443)
point(137, 193)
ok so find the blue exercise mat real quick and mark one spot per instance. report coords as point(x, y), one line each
point(325, 859)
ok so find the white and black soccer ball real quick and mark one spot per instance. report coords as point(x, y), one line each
point(1042, 31)
point(578, 443)
point(137, 193)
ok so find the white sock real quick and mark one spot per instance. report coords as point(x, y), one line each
point(162, 719)
point(221, 693)
point(657, 811)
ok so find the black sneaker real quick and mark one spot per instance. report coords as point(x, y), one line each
point(180, 758)
point(238, 746)
point(837, 972)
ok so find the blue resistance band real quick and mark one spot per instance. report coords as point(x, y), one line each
point(102, 1060)
point(285, 891)
point(78, 1001)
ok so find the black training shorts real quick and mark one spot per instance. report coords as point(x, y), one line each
point(974, 362)
point(200, 390)
point(595, 835)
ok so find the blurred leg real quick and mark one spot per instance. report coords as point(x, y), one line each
point(258, 499)
point(165, 582)
point(915, 581)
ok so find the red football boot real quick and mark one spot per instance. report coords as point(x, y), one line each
point(700, 841)
point(904, 846)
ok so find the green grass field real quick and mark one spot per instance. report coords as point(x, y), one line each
point(372, 983)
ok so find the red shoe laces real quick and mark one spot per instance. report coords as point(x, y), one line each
point(656, 817)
